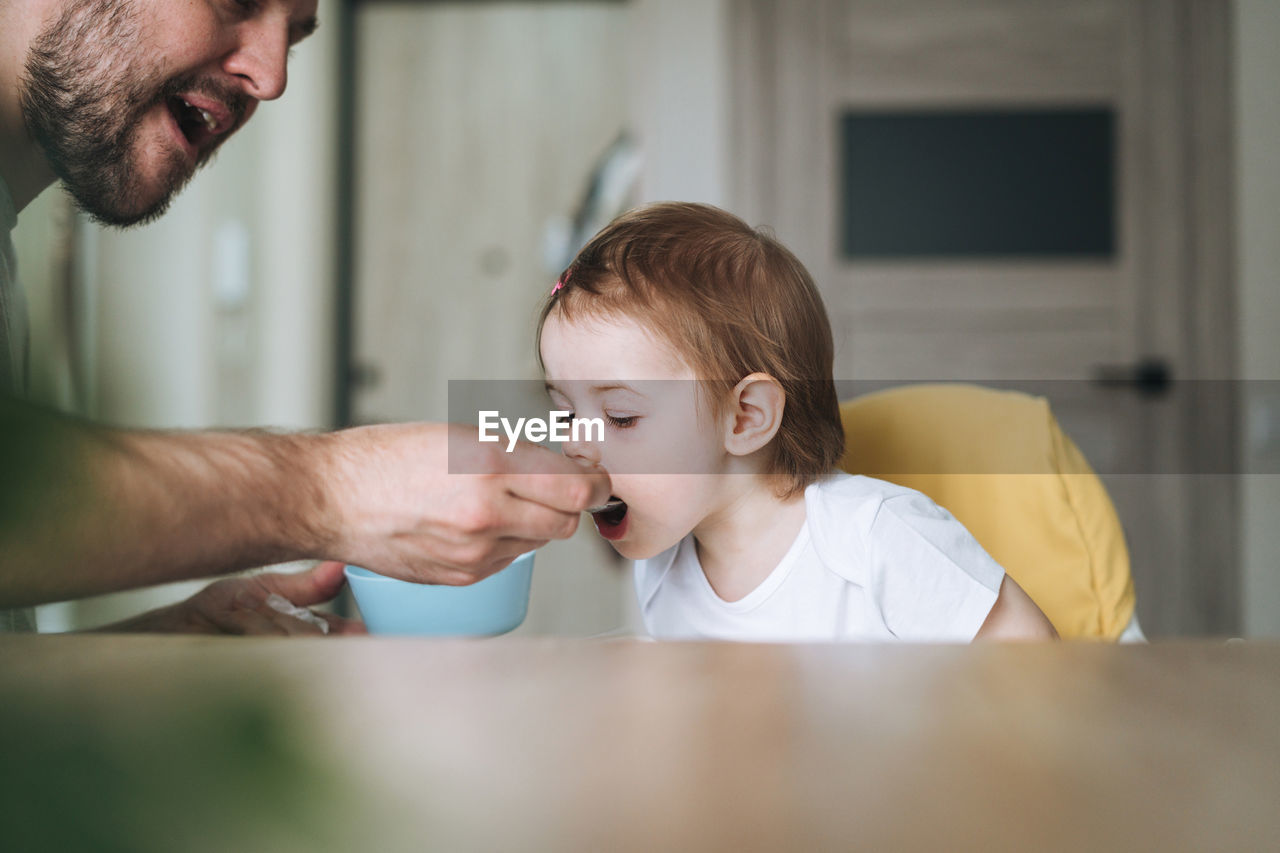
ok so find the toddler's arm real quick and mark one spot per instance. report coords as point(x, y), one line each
point(1015, 616)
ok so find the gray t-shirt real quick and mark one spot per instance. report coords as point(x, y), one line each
point(13, 352)
point(13, 310)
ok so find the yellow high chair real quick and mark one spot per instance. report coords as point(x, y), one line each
point(1045, 516)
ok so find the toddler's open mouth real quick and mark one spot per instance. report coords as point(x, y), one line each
point(612, 520)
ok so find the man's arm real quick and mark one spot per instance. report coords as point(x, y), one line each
point(88, 510)
point(85, 509)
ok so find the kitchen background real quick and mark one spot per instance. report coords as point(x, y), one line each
point(391, 223)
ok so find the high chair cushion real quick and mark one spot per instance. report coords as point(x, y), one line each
point(999, 462)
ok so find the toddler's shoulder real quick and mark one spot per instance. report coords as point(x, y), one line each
point(852, 502)
point(929, 578)
point(850, 490)
point(841, 510)
point(873, 519)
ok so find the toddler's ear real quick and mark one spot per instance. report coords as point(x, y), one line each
point(755, 414)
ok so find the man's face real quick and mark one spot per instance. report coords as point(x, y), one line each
point(127, 98)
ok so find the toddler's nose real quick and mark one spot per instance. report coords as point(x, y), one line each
point(585, 453)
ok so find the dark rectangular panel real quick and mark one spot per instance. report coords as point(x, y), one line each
point(978, 183)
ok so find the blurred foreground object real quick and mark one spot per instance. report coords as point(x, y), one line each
point(388, 745)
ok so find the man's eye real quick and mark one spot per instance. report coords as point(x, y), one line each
point(622, 422)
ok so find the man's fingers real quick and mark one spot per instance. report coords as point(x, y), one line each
point(549, 478)
point(290, 625)
point(247, 622)
point(524, 519)
point(568, 492)
point(314, 586)
point(250, 602)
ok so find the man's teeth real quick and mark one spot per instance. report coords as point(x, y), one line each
point(205, 116)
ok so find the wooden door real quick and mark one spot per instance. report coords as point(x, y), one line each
point(1049, 323)
point(477, 125)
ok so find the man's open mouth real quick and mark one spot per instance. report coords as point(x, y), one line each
point(200, 121)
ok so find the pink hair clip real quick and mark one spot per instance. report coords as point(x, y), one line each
point(564, 279)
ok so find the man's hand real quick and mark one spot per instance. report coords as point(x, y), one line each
point(430, 503)
point(239, 606)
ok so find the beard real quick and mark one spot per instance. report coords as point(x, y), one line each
point(87, 87)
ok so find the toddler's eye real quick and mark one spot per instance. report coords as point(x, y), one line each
point(622, 422)
point(564, 418)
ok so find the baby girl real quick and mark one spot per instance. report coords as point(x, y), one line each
point(704, 346)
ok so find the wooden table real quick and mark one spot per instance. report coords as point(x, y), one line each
point(191, 744)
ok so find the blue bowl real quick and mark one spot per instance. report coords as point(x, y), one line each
point(495, 605)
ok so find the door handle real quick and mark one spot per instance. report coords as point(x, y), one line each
point(1149, 377)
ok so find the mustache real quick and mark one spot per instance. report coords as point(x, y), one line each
point(234, 99)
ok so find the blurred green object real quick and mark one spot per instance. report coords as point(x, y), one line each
point(205, 774)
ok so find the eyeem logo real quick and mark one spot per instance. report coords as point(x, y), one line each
point(557, 427)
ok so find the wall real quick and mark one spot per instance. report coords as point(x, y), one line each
point(1257, 32)
point(680, 103)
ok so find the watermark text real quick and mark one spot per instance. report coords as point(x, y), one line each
point(557, 427)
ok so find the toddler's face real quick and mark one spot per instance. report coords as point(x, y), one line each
point(660, 446)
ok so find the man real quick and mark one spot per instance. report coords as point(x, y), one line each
point(122, 100)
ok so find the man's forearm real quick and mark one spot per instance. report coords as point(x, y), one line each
point(85, 510)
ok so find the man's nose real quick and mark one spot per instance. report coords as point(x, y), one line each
point(261, 57)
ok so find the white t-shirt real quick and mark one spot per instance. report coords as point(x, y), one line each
point(873, 562)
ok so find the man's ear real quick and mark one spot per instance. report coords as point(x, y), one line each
point(755, 414)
